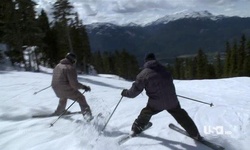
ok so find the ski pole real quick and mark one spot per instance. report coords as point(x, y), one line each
point(211, 104)
point(111, 114)
point(42, 90)
point(63, 112)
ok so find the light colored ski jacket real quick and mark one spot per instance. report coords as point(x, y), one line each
point(64, 80)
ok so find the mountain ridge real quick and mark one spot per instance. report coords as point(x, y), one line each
point(167, 18)
point(169, 39)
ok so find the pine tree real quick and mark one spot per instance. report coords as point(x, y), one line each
point(194, 66)
point(125, 64)
point(201, 65)
point(20, 28)
point(246, 66)
point(121, 63)
point(241, 55)
point(34, 33)
point(45, 48)
point(189, 71)
point(177, 68)
point(62, 13)
point(233, 61)
point(218, 66)
point(80, 43)
point(97, 62)
point(43, 21)
point(6, 10)
point(190, 68)
point(27, 19)
point(227, 64)
point(10, 27)
point(211, 74)
point(53, 54)
point(106, 62)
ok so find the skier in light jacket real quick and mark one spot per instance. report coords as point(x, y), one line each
point(66, 86)
point(159, 87)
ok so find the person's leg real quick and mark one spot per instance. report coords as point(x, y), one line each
point(143, 119)
point(61, 106)
point(85, 109)
point(182, 117)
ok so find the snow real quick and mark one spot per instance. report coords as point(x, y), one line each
point(161, 20)
point(229, 119)
point(185, 14)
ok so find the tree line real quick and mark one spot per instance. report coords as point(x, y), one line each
point(120, 63)
point(234, 62)
point(22, 27)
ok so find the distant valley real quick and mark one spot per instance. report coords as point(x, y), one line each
point(170, 38)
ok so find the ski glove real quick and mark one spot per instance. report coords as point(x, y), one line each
point(87, 89)
point(124, 92)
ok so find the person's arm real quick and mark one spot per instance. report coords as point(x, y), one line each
point(137, 87)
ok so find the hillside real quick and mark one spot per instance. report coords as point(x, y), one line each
point(18, 131)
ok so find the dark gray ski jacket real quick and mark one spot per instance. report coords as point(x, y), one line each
point(158, 84)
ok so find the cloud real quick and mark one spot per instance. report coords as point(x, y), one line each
point(128, 6)
point(89, 10)
point(217, 2)
point(85, 9)
point(144, 11)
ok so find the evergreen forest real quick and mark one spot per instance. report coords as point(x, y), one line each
point(22, 27)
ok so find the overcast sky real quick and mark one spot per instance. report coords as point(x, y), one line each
point(144, 11)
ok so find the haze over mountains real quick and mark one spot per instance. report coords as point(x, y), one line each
point(170, 36)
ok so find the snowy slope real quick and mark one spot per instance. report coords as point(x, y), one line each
point(18, 131)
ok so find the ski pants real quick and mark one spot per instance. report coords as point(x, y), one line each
point(180, 115)
point(78, 97)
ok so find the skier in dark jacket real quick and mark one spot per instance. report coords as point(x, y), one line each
point(66, 85)
point(159, 87)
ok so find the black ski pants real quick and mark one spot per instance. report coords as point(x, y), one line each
point(180, 115)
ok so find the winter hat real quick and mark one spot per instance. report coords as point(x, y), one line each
point(71, 57)
point(149, 56)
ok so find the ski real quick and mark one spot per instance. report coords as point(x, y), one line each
point(52, 115)
point(131, 135)
point(203, 141)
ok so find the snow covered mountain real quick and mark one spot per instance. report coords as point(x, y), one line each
point(185, 14)
point(163, 20)
point(227, 123)
point(170, 36)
